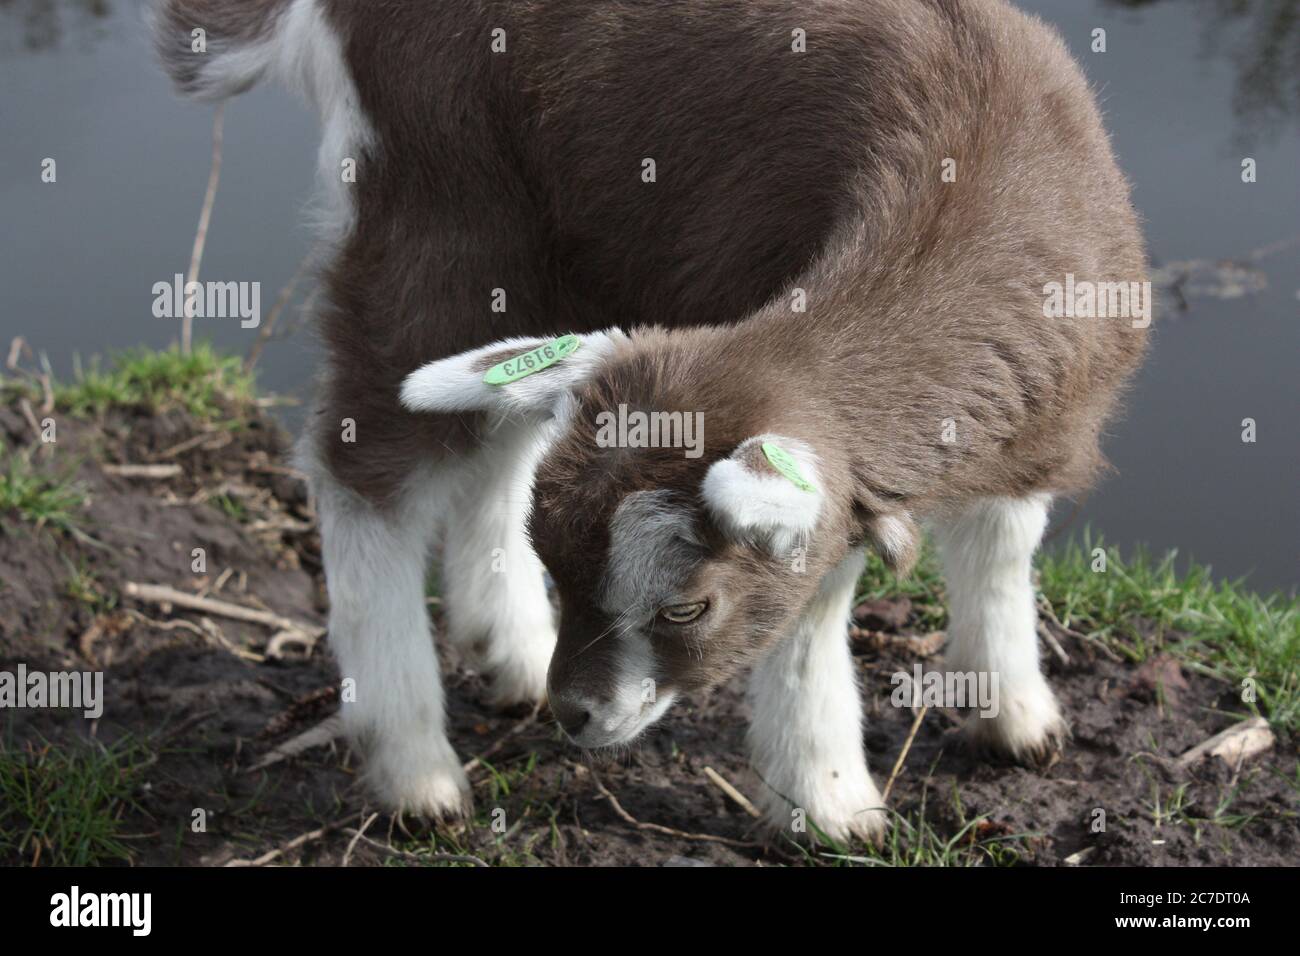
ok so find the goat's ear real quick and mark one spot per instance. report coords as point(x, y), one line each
point(512, 376)
point(767, 493)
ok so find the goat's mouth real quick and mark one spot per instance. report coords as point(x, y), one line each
point(611, 726)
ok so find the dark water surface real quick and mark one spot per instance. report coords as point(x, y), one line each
point(1189, 89)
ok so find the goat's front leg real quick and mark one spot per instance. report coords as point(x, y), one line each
point(987, 550)
point(498, 612)
point(805, 737)
point(392, 698)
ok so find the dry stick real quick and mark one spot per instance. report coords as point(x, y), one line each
point(1045, 606)
point(352, 844)
point(143, 471)
point(1053, 643)
point(725, 786)
point(293, 844)
point(281, 300)
point(46, 377)
point(907, 745)
point(189, 443)
point(655, 827)
point(160, 594)
point(201, 234)
point(471, 765)
point(26, 408)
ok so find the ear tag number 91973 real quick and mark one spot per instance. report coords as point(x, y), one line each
point(534, 360)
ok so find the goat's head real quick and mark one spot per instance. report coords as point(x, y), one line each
point(675, 566)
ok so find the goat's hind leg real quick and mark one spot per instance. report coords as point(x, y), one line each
point(392, 698)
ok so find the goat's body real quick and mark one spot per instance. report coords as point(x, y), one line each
point(919, 176)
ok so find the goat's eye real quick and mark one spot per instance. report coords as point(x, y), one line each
point(683, 613)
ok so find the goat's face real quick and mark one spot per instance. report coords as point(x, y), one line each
point(673, 571)
point(657, 598)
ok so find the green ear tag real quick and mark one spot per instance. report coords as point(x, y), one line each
point(534, 360)
point(783, 462)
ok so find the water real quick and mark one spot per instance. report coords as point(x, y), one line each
point(1189, 89)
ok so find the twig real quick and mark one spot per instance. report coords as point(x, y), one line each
point(472, 765)
point(1045, 606)
point(275, 646)
point(293, 844)
point(26, 408)
point(201, 233)
point(655, 827)
point(143, 471)
point(722, 784)
point(907, 745)
point(1050, 639)
point(189, 443)
point(422, 857)
point(1239, 741)
point(352, 844)
point(161, 594)
point(327, 731)
point(281, 300)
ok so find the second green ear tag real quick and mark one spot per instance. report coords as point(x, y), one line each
point(534, 360)
point(784, 462)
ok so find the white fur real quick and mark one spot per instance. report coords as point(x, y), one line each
point(987, 551)
point(380, 633)
point(764, 506)
point(302, 51)
point(635, 704)
point(498, 611)
point(805, 737)
point(311, 60)
point(455, 384)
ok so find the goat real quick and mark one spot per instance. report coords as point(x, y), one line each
point(828, 230)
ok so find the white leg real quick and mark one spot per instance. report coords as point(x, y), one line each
point(987, 551)
point(379, 630)
point(806, 734)
point(498, 613)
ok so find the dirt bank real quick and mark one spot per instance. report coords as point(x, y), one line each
point(195, 699)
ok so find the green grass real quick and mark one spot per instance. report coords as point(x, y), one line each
point(911, 840)
point(69, 799)
point(37, 497)
point(1141, 606)
point(204, 383)
point(84, 587)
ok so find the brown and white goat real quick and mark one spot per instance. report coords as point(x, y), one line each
point(828, 228)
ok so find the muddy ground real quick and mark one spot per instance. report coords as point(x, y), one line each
point(205, 700)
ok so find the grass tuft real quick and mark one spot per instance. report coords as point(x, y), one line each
point(62, 805)
point(37, 497)
point(205, 383)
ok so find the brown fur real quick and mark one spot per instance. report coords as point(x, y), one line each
point(776, 170)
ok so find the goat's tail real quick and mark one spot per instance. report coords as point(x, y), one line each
point(214, 49)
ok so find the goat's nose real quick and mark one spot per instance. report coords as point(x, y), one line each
point(571, 713)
